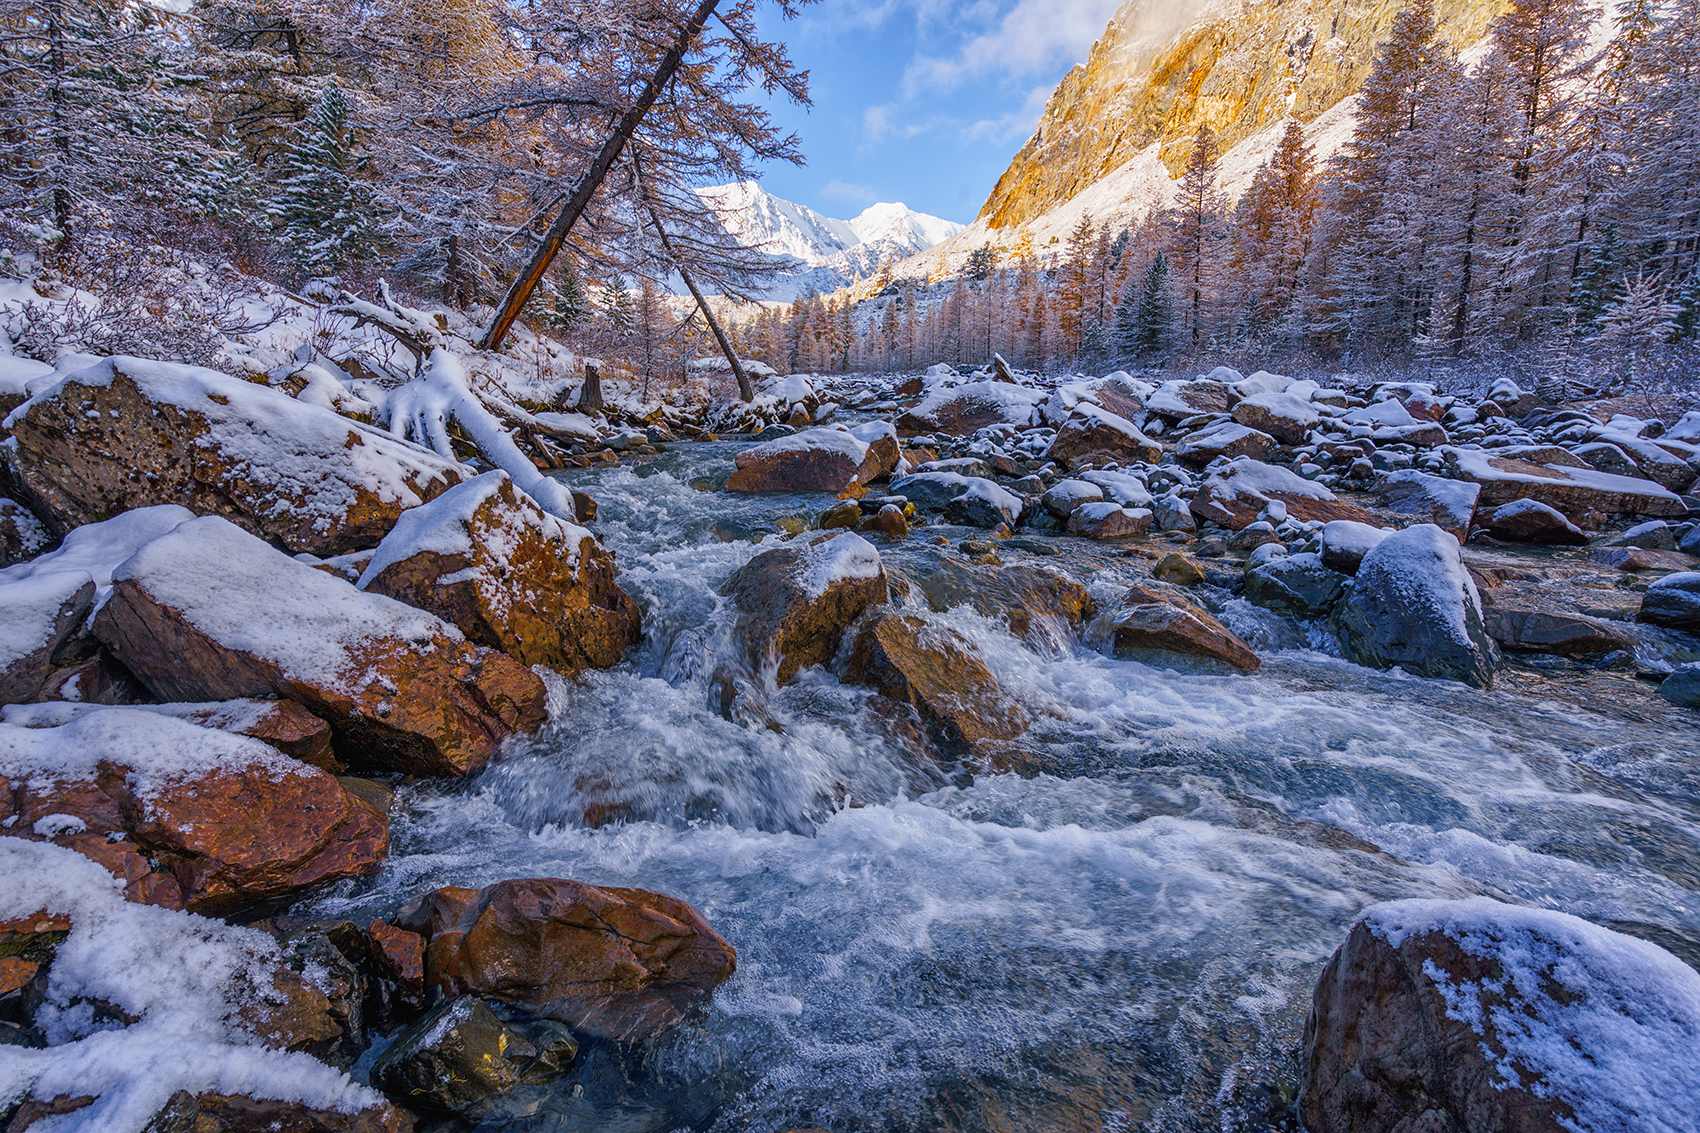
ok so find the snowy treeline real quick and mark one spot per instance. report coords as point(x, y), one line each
point(1540, 204)
point(424, 144)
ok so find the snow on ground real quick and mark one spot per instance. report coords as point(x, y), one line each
point(192, 984)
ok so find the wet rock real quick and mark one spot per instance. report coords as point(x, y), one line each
point(1413, 604)
point(1252, 536)
point(130, 433)
point(968, 500)
point(1283, 416)
point(1525, 630)
point(400, 955)
point(1654, 535)
point(1673, 601)
point(1639, 559)
point(1172, 513)
point(1573, 491)
point(1344, 544)
point(1179, 569)
point(888, 521)
point(623, 964)
point(1039, 605)
point(1094, 435)
point(488, 560)
point(1448, 504)
point(209, 612)
point(1462, 1016)
point(38, 615)
point(1238, 492)
point(1530, 521)
point(1682, 686)
point(1300, 585)
point(1154, 618)
point(817, 460)
point(939, 674)
point(22, 536)
point(459, 1053)
point(1224, 438)
point(1106, 520)
point(794, 604)
point(186, 817)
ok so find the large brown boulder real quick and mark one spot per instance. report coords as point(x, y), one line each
point(1163, 619)
point(1094, 435)
point(1287, 418)
point(794, 603)
point(128, 433)
point(938, 673)
point(486, 558)
point(210, 612)
point(618, 963)
point(187, 817)
point(1236, 494)
point(233, 1113)
point(1477, 1017)
point(817, 460)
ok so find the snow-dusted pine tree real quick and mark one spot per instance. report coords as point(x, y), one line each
point(324, 208)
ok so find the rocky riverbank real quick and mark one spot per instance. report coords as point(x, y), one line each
point(237, 623)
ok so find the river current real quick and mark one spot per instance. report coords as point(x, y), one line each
point(1129, 943)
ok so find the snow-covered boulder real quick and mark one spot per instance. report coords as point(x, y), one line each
point(37, 617)
point(200, 1002)
point(1065, 495)
point(961, 410)
point(282, 724)
point(1573, 491)
point(127, 433)
point(1467, 1015)
point(1108, 520)
point(1300, 585)
point(972, 501)
point(1530, 521)
point(1094, 435)
point(188, 817)
point(817, 460)
point(1345, 542)
point(1177, 400)
point(1448, 504)
point(210, 612)
point(788, 399)
point(1413, 604)
point(488, 560)
point(1236, 493)
point(1224, 438)
point(1287, 418)
point(1673, 601)
point(794, 603)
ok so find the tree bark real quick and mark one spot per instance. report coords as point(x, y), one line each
point(526, 282)
point(745, 391)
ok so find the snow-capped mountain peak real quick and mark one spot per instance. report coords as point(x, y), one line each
point(822, 252)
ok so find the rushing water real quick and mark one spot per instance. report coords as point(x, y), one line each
point(1128, 947)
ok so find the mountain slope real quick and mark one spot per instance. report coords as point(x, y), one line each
point(819, 251)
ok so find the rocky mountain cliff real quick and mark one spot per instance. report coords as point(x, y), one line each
point(1156, 73)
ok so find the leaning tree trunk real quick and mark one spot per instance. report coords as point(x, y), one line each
point(746, 392)
point(526, 282)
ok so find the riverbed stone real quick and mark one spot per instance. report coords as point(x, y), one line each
point(485, 558)
point(1164, 619)
point(1094, 435)
point(210, 612)
point(1300, 585)
point(1107, 520)
point(38, 615)
point(1237, 493)
point(1683, 685)
point(794, 603)
point(1413, 604)
point(941, 675)
point(1039, 605)
point(623, 964)
point(460, 1052)
point(1448, 504)
point(1531, 521)
point(22, 537)
point(1673, 601)
point(817, 460)
point(129, 433)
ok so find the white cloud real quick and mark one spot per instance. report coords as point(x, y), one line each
point(847, 191)
point(1016, 124)
point(1032, 36)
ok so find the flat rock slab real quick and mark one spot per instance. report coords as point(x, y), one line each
point(210, 612)
point(624, 964)
point(964, 409)
point(816, 460)
point(130, 433)
point(486, 558)
point(1236, 494)
point(1573, 491)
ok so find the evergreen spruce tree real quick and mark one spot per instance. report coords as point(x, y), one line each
point(1153, 315)
point(325, 212)
point(1201, 207)
point(1124, 337)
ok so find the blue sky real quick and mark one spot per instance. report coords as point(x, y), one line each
point(922, 101)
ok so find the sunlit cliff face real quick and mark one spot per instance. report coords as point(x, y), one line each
point(1162, 67)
